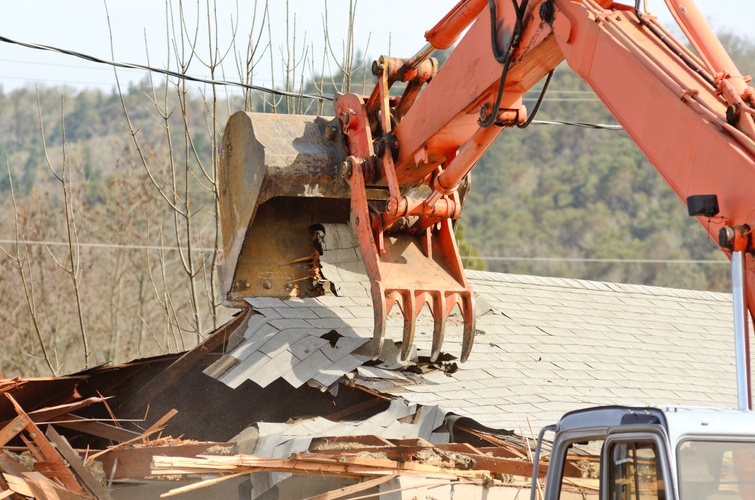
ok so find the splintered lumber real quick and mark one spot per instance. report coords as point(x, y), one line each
point(302, 464)
point(154, 428)
point(53, 463)
point(95, 428)
point(44, 489)
point(18, 485)
point(134, 463)
point(455, 455)
point(160, 424)
point(73, 459)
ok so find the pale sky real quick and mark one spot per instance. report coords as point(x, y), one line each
point(81, 25)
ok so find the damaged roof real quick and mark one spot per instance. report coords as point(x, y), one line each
point(543, 346)
point(292, 381)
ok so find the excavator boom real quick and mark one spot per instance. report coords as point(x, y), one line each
point(393, 167)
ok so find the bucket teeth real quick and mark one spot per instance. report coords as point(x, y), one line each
point(440, 315)
point(380, 311)
point(410, 303)
point(467, 312)
point(410, 309)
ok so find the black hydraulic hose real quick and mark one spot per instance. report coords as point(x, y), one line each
point(680, 54)
point(505, 59)
point(538, 103)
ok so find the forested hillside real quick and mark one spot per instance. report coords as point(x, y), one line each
point(563, 192)
point(113, 211)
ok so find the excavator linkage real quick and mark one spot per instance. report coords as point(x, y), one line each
point(282, 175)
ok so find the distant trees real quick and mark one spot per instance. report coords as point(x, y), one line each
point(114, 242)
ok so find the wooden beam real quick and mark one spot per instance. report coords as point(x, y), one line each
point(134, 463)
point(330, 442)
point(355, 409)
point(95, 428)
point(53, 460)
point(12, 429)
point(74, 460)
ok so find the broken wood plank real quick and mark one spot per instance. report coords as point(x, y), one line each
point(142, 437)
point(63, 474)
point(18, 485)
point(134, 463)
point(208, 464)
point(51, 412)
point(43, 488)
point(383, 463)
point(95, 428)
point(160, 424)
point(12, 429)
point(11, 466)
point(74, 460)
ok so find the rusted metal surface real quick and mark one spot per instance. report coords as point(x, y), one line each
point(280, 175)
point(275, 173)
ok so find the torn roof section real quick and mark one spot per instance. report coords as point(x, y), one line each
point(544, 346)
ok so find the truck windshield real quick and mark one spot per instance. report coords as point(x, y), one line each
point(716, 469)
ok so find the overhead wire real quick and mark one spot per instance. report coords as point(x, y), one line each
point(258, 88)
point(115, 246)
point(165, 72)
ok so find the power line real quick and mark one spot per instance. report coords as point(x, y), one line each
point(486, 258)
point(99, 245)
point(258, 88)
point(165, 72)
point(601, 126)
point(588, 260)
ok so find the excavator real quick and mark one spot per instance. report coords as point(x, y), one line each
point(394, 167)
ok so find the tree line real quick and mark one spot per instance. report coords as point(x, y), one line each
point(109, 222)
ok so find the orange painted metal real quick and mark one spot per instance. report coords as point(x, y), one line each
point(692, 115)
point(411, 270)
point(447, 31)
point(409, 266)
point(681, 124)
point(732, 85)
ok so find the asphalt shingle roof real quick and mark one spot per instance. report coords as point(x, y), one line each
point(544, 346)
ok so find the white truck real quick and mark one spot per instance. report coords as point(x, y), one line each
point(651, 453)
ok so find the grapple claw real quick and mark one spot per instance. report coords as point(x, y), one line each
point(410, 309)
point(380, 310)
point(467, 312)
point(440, 315)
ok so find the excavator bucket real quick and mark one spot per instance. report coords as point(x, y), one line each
point(283, 178)
point(279, 175)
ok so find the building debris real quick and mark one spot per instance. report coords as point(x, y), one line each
point(234, 426)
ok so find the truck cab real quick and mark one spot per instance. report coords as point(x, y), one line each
point(685, 453)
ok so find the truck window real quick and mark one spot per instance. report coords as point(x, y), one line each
point(712, 470)
point(635, 472)
point(581, 475)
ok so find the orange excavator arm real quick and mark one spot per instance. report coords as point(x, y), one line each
point(402, 158)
